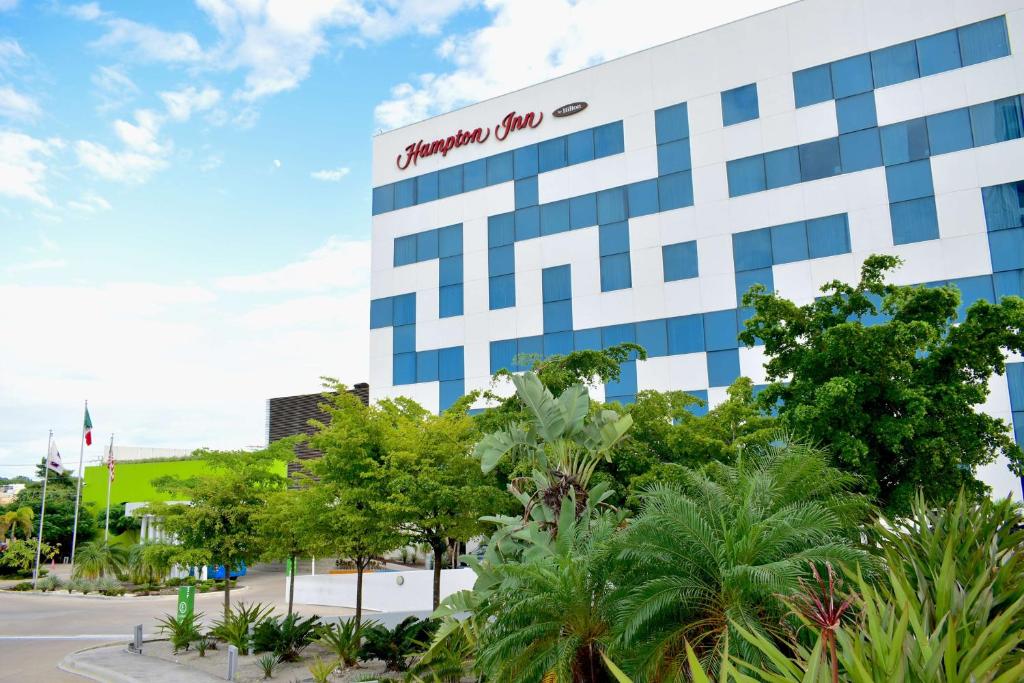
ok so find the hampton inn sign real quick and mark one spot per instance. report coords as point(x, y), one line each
point(510, 124)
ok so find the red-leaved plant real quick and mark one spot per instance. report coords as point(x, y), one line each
point(822, 605)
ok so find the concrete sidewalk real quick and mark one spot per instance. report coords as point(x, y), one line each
point(114, 664)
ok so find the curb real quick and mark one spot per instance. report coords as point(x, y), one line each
point(71, 664)
point(80, 596)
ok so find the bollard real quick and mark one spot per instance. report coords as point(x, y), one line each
point(136, 644)
point(249, 643)
point(232, 662)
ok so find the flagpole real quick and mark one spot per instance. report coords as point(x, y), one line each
point(42, 510)
point(78, 492)
point(110, 479)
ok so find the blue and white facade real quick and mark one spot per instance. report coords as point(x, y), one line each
point(782, 149)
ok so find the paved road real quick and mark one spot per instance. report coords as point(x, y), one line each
point(37, 631)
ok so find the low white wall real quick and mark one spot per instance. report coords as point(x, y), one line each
point(381, 590)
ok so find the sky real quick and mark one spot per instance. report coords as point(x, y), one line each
point(185, 191)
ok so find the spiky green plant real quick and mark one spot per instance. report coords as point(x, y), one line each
point(181, 632)
point(268, 664)
point(343, 639)
point(98, 559)
point(14, 521)
point(719, 550)
point(321, 670)
point(233, 628)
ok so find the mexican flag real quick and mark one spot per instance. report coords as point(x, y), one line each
point(87, 427)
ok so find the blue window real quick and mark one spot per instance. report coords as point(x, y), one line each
point(997, 121)
point(679, 261)
point(983, 41)
point(501, 229)
point(450, 363)
point(450, 271)
point(499, 168)
point(404, 309)
point(674, 156)
point(502, 291)
point(615, 272)
point(642, 198)
point(556, 283)
point(426, 188)
point(746, 175)
point(670, 123)
point(1004, 206)
point(1015, 380)
point(653, 337)
point(552, 154)
point(782, 168)
point(909, 181)
point(583, 211)
point(894, 64)
point(403, 339)
point(748, 278)
point(685, 334)
point(852, 76)
point(914, 221)
point(675, 191)
point(720, 330)
point(860, 150)
point(581, 146)
point(450, 300)
point(380, 313)
point(405, 193)
point(403, 368)
point(739, 104)
point(558, 316)
point(608, 140)
point(698, 409)
point(554, 217)
point(527, 351)
point(474, 175)
point(614, 238)
point(527, 223)
point(611, 205)
point(449, 392)
point(903, 142)
point(618, 334)
point(752, 249)
point(1009, 283)
point(526, 192)
point(938, 53)
point(820, 159)
point(405, 250)
point(723, 367)
point(557, 343)
point(1007, 249)
point(449, 181)
point(624, 390)
point(383, 199)
point(426, 366)
point(587, 340)
point(502, 353)
point(813, 85)
point(973, 289)
point(501, 260)
point(949, 131)
point(856, 112)
point(789, 243)
point(524, 162)
point(449, 240)
point(828, 236)
point(426, 245)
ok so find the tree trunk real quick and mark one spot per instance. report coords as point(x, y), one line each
point(438, 557)
point(291, 586)
point(227, 589)
point(360, 568)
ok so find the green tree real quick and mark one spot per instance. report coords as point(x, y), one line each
point(221, 519)
point(13, 521)
point(896, 401)
point(435, 490)
point(60, 509)
point(284, 527)
point(720, 548)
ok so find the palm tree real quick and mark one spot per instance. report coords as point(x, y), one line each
point(95, 559)
point(720, 550)
point(13, 520)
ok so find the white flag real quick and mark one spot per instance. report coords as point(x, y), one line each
point(53, 459)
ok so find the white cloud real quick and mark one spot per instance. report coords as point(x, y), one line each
point(23, 166)
point(277, 163)
point(517, 50)
point(90, 202)
point(89, 11)
point(15, 105)
point(114, 88)
point(331, 175)
point(142, 155)
point(10, 53)
point(6, 5)
point(339, 264)
point(211, 162)
point(149, 44)
point(38, 264)
point(181, 104)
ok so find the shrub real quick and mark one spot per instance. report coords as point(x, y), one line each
point(204, 643)
point(234, 627)
point(50, 583)
point(182, 632)
point(96, 560)
point(343, 639)
point(287, 637)
point(321, 670)
point(173, 583)
point(23, 586)
point(108, 585)
point(395, 646)
point(268, 663)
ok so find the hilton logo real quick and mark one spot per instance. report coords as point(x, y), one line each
point(569, 109)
